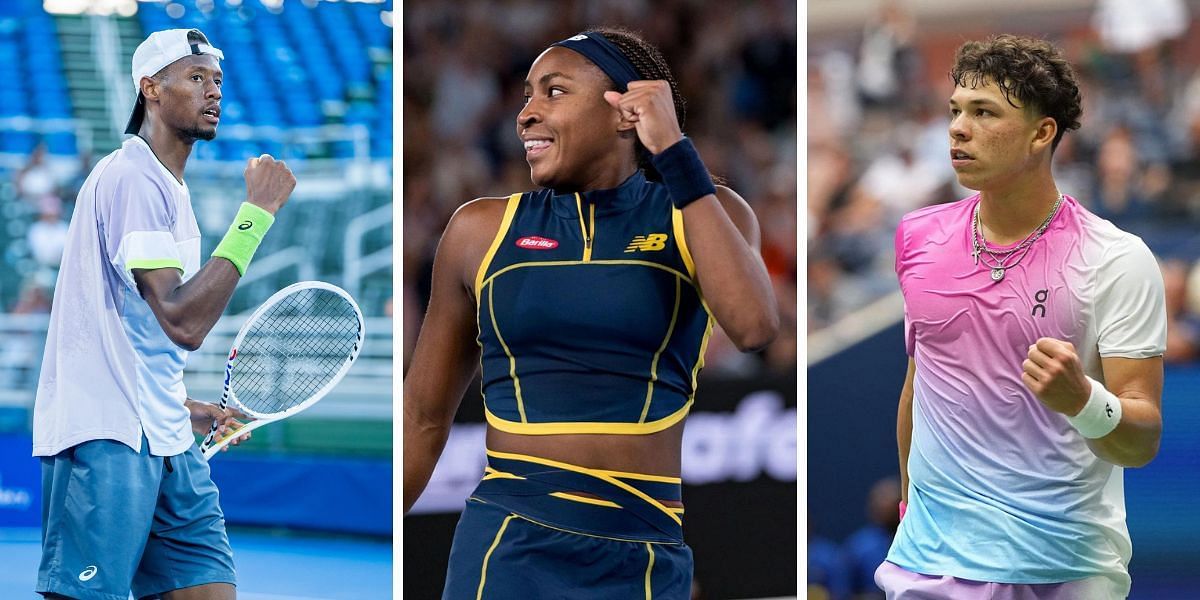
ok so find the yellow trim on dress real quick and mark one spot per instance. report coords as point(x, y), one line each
point(585, 499)
point(527, 428)
point(512, 360)
point(681, 241)
point(639, 476)
point(572, 263)
point(490, 473)
point(509, 210)
point(488, 555)
point(583, 230)
point(591, 535)
point(649, 567)
point(658, 353)
point(703, 347)
point(594, 473)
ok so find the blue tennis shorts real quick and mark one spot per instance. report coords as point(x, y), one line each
point(536, 528)
point(115, 521)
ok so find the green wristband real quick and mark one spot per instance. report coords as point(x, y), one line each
point(244, 236)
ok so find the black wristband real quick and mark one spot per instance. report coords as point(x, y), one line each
point(683, 173)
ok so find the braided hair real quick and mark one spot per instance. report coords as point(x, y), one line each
point(650, 64)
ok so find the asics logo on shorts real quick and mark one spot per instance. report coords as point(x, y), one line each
point(88, 573)
point(647, 243)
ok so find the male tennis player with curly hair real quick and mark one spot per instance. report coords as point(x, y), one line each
point(1035, 332)
point(128, 504)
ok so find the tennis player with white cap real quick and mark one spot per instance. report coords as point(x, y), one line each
point(128, 504)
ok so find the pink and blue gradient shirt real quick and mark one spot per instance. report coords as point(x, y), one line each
point(1002, 489)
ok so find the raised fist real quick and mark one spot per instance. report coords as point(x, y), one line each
point(269, 183)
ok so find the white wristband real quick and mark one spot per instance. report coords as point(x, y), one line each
point(1100, 415)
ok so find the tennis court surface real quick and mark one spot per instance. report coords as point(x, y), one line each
point(270, 566)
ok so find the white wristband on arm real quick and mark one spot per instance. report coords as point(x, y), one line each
point(1100, 415)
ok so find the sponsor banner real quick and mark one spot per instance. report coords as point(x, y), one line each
point(755, 439)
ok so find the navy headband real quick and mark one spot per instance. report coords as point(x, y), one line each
point(604, 54)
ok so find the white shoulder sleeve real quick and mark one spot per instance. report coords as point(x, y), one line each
point(1131, 311)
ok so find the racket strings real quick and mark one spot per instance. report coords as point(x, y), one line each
point(294, 349)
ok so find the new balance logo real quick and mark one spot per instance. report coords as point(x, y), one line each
point(88, 573)
point(647, 243)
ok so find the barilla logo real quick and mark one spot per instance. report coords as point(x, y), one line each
point(534, 242)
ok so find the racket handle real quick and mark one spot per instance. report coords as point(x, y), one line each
point(212, 433)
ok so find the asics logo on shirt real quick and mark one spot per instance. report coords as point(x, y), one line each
point(88, 573)
point(647, 243)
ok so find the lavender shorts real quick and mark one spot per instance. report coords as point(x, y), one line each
point(901, 584)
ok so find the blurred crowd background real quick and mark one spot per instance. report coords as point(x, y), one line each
point(464, 67)
point(878, 147)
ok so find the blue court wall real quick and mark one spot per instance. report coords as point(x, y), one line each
point(852, 400)
point(339, 495)
point(20, 482)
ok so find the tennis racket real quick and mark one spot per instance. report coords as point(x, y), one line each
point(290, 352)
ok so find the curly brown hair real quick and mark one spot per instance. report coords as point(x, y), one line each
point(1030, 70)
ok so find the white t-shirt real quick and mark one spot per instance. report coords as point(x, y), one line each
point(110, 372)
point(1001, 488)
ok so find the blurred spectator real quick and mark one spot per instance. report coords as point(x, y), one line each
point(900, 182)
point(36, 293)
point(1183, 325)
point(1123, 189)
point(1140, 29)
point(827, 576)
point(21, 351)
point(866, 548)
point(886, 55)
point(36, 178)
point(48, 235)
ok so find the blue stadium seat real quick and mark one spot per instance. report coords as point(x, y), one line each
point(62, 144)
point(299, 66)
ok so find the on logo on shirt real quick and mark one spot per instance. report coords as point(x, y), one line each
point(1040, 297)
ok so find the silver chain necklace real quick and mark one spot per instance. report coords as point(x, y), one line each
point(1000, 257)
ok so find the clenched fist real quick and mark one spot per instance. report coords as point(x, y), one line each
point(1054, 373)
point(648, 105)
point(269, 183)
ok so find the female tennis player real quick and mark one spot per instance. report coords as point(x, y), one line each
point(588, 303)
